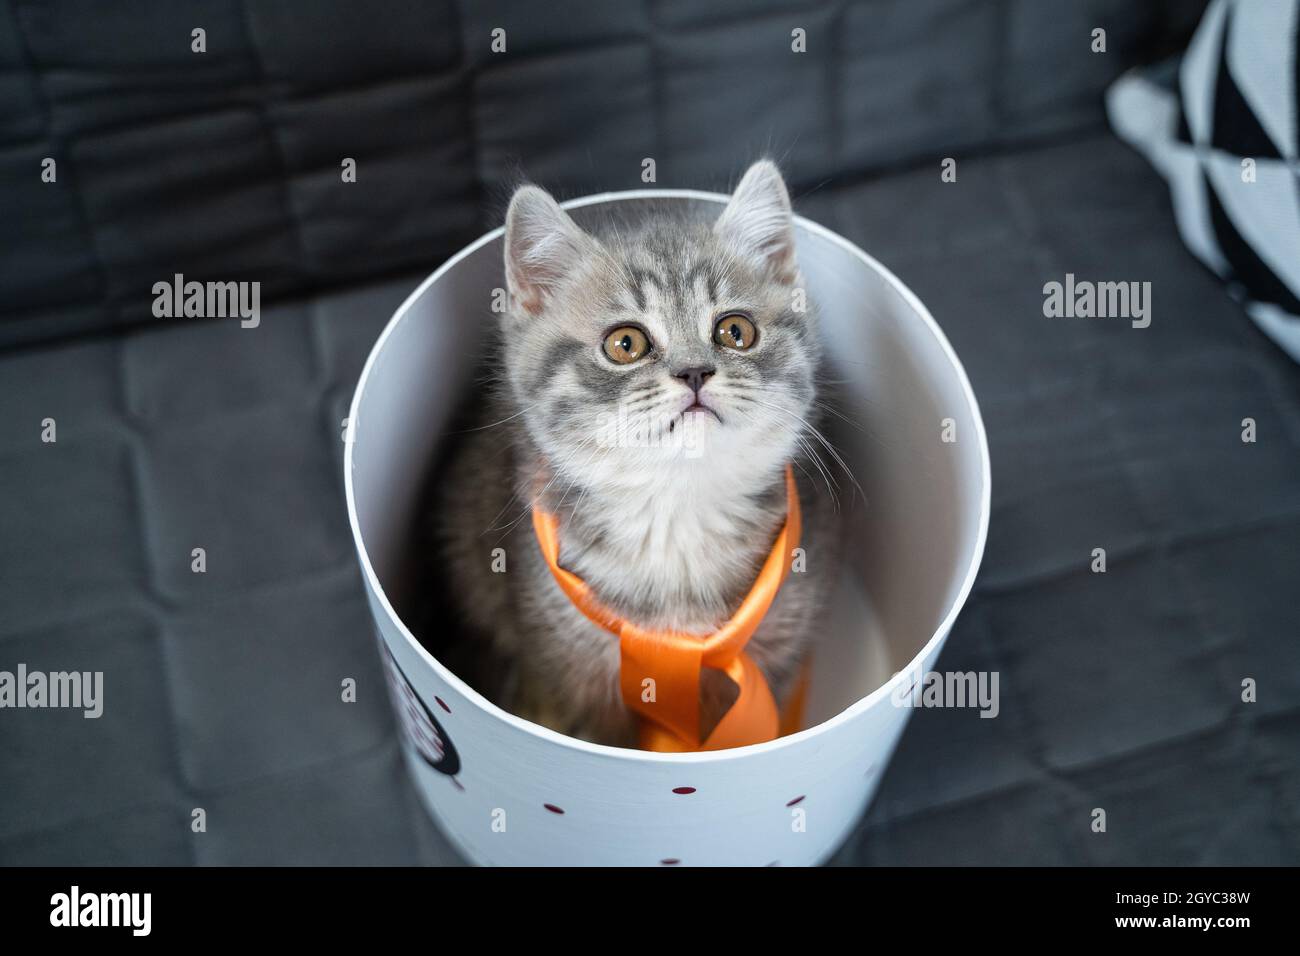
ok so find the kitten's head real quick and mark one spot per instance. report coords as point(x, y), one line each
point(667, 342)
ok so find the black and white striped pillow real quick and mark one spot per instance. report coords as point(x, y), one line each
point(1221, 127)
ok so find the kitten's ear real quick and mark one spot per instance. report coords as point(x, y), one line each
point(543, 245)
point(758, 222)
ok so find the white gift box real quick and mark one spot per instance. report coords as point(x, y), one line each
point(507, 791)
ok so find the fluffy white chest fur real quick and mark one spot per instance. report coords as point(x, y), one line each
point(687, 536)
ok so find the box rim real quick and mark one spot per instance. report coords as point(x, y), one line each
point(545, 733)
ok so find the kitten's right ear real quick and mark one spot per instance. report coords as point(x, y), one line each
point(543, 245)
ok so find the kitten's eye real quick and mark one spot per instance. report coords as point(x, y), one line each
point(735, 331)
point(626, 344)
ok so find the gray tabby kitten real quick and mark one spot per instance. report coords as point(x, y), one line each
point(657, 381)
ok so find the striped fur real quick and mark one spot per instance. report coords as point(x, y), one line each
point(666, 515)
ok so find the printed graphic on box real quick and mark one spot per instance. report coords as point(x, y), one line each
point(418, 722)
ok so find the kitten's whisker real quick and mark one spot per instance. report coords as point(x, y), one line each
point(831, 410)
point(574, 482)
point(528, 506)
point(820, 405)
point(827, 479)
point(635, 406)
point(559, 468)
point(812, 430)
point(479, 428)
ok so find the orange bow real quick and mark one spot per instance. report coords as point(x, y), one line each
point(659, 673)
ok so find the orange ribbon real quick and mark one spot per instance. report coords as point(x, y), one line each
point(671, 714)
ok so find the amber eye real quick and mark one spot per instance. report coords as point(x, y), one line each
point(735, 331)
point(626, 344)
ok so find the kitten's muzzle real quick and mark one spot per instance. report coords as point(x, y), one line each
point(695, 376)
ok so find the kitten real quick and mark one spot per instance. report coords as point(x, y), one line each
point(657, 381)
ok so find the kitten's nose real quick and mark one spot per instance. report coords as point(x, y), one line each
point(695, 376)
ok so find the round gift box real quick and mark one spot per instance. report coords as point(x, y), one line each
point(507, 791)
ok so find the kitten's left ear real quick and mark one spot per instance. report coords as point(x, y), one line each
point(758, 222)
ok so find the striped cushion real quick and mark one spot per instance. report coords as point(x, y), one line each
point(1221, 126)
